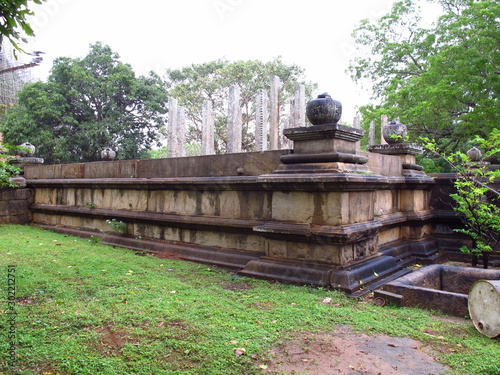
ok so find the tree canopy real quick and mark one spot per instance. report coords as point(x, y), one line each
point(442, 80)
point(194, 84)
point(88, 105)
point(13, 21)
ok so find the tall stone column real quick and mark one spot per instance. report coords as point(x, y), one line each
point(261, 122)
point(371, 135)
point(172, 127)
point(207, 132)
point(234, 121)
point(181, 131)
point(291, 118)
point(356, 124)
point(383, 123)
point(300, 106)
point(274, 119)
point(285, 142)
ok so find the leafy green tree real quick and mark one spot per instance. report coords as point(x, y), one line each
point(88, 105)
point(443, 80)
point(477, 203)
point(13, 23)
point(194, 84)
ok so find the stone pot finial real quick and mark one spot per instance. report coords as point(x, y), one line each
point(323, 110)
point(28, 149)
point(394, 132)
point(474, 154)
point(108, 154)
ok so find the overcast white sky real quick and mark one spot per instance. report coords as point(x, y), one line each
point(160, 34)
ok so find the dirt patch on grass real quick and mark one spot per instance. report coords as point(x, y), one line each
point(236, 286)
point(112, 340)
point(167, 255)
point(344, 352)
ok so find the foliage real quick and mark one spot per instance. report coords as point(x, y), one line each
point(88, 105)
point(192, 149)
point(442, 80)
point(86, 308)
point(194, 84)
point(117, 225)
point(7, 170)
point(13, 14)
point(477, 203)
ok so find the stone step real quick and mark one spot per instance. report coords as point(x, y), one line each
point(378, 283)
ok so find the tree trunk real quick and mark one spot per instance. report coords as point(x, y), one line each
point(485, 260)
point(474, 260)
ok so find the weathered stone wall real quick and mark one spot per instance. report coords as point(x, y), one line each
point(14, 205)
point(235, 210)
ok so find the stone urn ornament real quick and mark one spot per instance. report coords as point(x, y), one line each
point(474, 154)
point(323, 110)
point(394, 132)
point(27, 150)
point(108, 154)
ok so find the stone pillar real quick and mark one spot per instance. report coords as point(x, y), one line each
point(234, 121)
point(274, 118)
point(181, 131)
point(291, 117)
point(371, 135)
point(286, 142)
point(383, 123)
point(300, 106)
point(356, 124)
point(261, 120)
point(207, 132)
point(172, 127)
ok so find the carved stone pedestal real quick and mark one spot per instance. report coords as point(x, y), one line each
point(328, 148)
point(406, 152)
point(23, 161)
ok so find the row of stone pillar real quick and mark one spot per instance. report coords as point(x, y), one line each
point(267, 122)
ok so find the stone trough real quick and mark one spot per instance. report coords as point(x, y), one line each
point(435, 287)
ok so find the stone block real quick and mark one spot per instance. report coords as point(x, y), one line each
point(114, 198)
point(319, 146)
point(276, 248)
point(389, 235)
point(173, 202)
point(383, 297)
point(343, 255)
point(210, 203)
point(360, 206)
point(254, 204)
point(230, 204)
point(8, 194)
point(412, 200)
point(298, 250)
point(385, 165)
point(58, 171)
point(20, 219)
point(241, 164)
point(330, 209)
point(111, 169)
point(416, 231)
point(292, 206)
point(363, 249)
point(385, 201)
point(83, 196)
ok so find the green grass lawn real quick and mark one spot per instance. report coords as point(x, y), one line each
point(86, 308)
